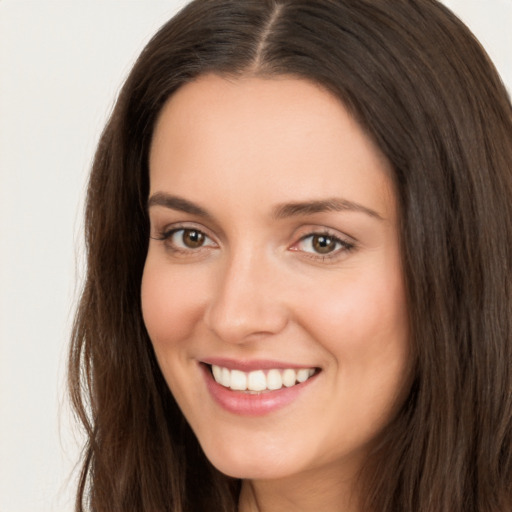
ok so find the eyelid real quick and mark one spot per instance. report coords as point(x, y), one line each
point(347, 243)
point(168, 229)
point(165, 234)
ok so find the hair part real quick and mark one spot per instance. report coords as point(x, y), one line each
point(426, 93)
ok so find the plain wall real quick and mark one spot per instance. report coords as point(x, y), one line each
point(61, 65)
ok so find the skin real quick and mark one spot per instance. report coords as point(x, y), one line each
point(257, 288)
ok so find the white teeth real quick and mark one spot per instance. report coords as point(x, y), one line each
point(274, 379)
point(289, 378)
point(238, 380)
point(260, 380)
point(217, 373)
point(225, 378)
point(303, 375)
point(256, 381)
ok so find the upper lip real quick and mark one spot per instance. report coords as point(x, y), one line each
point(246, 365)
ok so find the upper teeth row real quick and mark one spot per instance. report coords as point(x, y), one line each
point(258, 380)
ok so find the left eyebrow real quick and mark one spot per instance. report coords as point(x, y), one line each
point(333, 204)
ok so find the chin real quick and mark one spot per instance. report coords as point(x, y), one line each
point(252, 461)
point(251, 470)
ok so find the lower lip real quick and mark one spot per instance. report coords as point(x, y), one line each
point(253, 404)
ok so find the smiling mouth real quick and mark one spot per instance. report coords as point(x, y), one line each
point(259, 381)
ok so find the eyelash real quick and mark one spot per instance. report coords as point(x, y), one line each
point(166, 238)
point(341, 246)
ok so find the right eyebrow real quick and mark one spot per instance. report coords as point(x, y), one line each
point(176, 203)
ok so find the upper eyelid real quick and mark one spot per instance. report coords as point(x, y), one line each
point(312, 230)
point(323, 233)
point(344, 242)
point(174, 230)
point(159, 216)
point(167, 228)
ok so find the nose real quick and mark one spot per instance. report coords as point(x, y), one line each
point(248, 300)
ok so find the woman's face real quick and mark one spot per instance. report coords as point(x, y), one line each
point(273, 291)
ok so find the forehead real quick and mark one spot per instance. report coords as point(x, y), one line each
point(286, 138)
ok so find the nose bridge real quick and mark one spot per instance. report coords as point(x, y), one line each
point(247, 300)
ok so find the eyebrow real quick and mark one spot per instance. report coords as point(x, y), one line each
point(333, 204)
point(281, 211)
point(177, 203)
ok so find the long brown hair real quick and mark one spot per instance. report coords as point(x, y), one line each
point(424, 90)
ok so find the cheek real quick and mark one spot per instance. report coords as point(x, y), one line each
point(364, 326)
point(362, 322)
point(170, 305)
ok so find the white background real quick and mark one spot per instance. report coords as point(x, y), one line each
point(61, 65)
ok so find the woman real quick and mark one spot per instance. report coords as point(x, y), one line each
point(298, 297)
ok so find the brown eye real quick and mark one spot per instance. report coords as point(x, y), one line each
point(192, 238)
point(185, 240)
point(323, 244)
